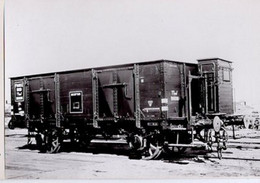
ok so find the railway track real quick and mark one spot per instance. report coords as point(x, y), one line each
point(102, 160)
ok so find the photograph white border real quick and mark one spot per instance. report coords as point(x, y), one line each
point(2, 99)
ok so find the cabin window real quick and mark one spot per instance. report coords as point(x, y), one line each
point(226, 75)
point(76, 102)
point(207, 67)
point(19, 92)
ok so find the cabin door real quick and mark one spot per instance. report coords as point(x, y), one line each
point(210, 93)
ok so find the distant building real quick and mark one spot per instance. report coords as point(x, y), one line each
point(251, 114)
point(242, 108)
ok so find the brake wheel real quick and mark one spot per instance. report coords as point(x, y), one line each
point(53, 141)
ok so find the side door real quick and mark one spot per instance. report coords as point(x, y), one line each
point(114, 97)
point(41, 97)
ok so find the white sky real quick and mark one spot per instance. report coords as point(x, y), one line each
point(54, 35)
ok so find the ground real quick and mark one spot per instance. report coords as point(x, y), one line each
point(101, 161)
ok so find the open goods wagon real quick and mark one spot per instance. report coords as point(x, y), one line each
point(154, 106)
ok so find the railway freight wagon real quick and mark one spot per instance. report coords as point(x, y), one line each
point(154, 106)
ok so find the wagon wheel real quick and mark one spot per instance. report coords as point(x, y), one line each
point(80, 139)
point(53, 142)
point(29, 138)
point(153, 152)
point(135, 142)
point(210, 138)
point(224, 138)
point(246, 121)
point(153, 149)
point(38, 140)
point(219, 145)
point(219, 151)
point(256, 125)
point(84, 142)
point(11, 125)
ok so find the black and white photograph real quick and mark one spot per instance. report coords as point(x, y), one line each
point(2, 151)
point(131, 89)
